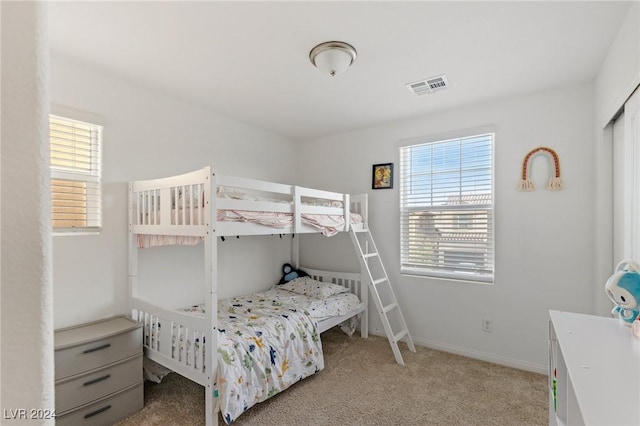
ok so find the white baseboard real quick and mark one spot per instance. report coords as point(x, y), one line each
point(514, 363)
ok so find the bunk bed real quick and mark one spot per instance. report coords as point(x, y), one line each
point(197, 342)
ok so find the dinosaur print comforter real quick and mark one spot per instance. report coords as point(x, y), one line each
point(264, 346)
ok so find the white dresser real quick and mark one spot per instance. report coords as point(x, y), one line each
point(596, 361)
point(98, 372)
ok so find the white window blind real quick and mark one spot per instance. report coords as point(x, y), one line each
point(446, 202)
point(75, 175)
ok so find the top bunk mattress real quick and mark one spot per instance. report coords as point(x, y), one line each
point(177, 209)
point(327, 224)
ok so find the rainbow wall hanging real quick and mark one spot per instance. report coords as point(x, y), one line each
point(555, 183)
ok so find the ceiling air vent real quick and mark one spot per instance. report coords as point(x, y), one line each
point(428, 86)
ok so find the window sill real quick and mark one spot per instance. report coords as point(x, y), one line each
point(447, 277)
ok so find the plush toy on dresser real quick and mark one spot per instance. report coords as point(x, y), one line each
point(623, 288)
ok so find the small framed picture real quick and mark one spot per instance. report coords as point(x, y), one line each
point(382, 176)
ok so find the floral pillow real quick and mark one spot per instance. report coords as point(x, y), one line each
point(309, 287)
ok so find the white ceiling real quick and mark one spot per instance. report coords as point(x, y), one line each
point(249, 60)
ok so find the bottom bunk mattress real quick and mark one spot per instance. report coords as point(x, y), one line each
point(268, 341)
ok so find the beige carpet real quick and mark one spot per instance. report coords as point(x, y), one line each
point(362, 385)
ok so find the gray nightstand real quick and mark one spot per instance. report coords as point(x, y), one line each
point(98, 372)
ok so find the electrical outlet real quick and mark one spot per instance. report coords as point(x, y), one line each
point(487, 325)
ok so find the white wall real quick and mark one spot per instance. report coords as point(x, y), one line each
point(544, 243)
point(26, 311)
point(149, 135)
point(619, 75)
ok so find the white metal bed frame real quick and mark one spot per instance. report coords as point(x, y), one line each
point(159, 207)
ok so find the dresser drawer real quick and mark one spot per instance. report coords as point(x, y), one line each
point(98, 353)
point(80, 390)
point(107, 411)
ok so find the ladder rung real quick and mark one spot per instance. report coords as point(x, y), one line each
point(369, 255)
point(400, 335)
point(381, 280)
point(389, 307)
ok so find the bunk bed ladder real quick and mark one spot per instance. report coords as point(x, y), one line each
point(393, 321)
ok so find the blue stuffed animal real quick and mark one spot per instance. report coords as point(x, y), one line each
point(290, 273)
point(623, 288)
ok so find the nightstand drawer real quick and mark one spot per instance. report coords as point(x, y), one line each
point(107, 411)
point(98, 353)
point(83, 389)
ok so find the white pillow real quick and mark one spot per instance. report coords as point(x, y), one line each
point(309, 287)
point(320, 202)
point(224, 192)
point(186, 203)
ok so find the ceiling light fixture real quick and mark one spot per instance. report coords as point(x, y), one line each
point(332, 57)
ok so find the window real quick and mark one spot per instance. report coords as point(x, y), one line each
point(446, 203)
point(75, 175)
